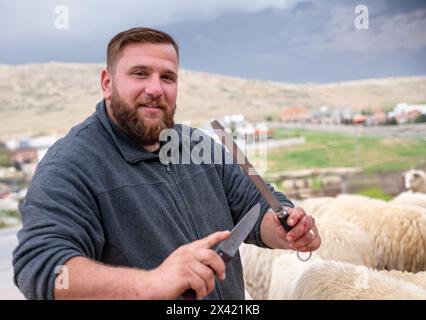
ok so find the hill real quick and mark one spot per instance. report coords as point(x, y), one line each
point(52, 97)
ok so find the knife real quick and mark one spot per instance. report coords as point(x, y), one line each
point(251, 172)
point(227, 248)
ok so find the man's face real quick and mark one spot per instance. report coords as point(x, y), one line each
point(143, 90)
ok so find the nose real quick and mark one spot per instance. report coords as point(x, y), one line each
point(153, 87)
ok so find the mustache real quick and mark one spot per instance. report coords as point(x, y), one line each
point(158, 103)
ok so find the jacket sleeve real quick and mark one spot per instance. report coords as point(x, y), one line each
point(61, 220)
point(242, 195)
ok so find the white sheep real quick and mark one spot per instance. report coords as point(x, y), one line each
point(341, 240)
point(345, 241)
point(314, 206)
point(332, 280)
point(410, 198)
point(320, 206)
point(398, 231)
point(415, 180)
point(418, 278)
point(257, 264)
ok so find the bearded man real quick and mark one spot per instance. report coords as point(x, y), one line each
point(105, 218)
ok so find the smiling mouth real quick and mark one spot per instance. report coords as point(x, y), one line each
point(150, 106)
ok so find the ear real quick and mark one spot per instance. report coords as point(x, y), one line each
point(106, 82)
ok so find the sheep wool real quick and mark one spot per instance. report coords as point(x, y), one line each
point(397, 230)
point(341, 241)
point(332, 280)
point(257, 264)
point(410, 198)
point(345, 241)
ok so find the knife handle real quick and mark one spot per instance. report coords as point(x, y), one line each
point(225, 257)
point(189, 294)
point(282, 217)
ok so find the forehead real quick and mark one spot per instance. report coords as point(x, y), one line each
point(157, 56)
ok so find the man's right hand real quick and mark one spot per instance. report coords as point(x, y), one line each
point(191, 266)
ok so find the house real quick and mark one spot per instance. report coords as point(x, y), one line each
point(24, 155)
point(29, 150)
point(323, 115)
point(379, 117)
point(404, 113)
point(294, 114)
point(359, 119)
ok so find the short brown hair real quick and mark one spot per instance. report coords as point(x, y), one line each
point(136, 35)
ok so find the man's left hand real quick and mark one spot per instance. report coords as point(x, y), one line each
point(303, 236)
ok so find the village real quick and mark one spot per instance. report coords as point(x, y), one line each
point(21, 155)
point(401, 114)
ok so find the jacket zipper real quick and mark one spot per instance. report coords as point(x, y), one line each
point(182, 208)
point(181, 202)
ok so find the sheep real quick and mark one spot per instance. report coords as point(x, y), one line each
point(415, 180)
point(410, 198)
point(346, 242)
point(340, 240)
point(398, 231)
point(315, 206)
point(333, 280)
point(394, 232)
point(257, 263)
point(418, 278)
point(320, 206)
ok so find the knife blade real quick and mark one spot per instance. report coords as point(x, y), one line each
point(227, 248)
point(251, 172)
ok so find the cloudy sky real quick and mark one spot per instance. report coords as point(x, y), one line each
point(281, 40)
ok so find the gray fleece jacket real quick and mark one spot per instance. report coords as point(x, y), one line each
point(97, 194)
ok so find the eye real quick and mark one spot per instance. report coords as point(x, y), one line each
point(168, 78)
point(140, 74)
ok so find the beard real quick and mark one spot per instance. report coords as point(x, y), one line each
point(143, 131)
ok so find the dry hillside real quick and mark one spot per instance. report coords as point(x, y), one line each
point(38, 98)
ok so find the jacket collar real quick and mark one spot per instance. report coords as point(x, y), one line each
point(128, 149)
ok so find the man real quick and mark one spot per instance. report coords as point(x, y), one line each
point(120, 224)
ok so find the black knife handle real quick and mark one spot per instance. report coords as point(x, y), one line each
point(190, 294)
point(283, 216)
point(225, 257)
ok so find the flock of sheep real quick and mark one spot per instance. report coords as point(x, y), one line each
point(371, 249)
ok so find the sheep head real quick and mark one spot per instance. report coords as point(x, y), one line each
point(415, 180)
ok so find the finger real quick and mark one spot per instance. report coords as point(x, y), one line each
point(304, 240)
point(315, 244)
point(211, 239)
point(196, 283)
point(295, 214)
point(311, 245)
point(300, 229)
point(204, 279)
point(210, 258)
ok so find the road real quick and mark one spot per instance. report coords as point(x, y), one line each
point(404, 131)
point(8, 242)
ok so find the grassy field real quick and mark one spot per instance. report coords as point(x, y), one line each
point(4, 157)
point(9, 218)
point(324, 149)
point(375, 192)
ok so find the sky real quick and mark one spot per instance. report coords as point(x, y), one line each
point(281, 40)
